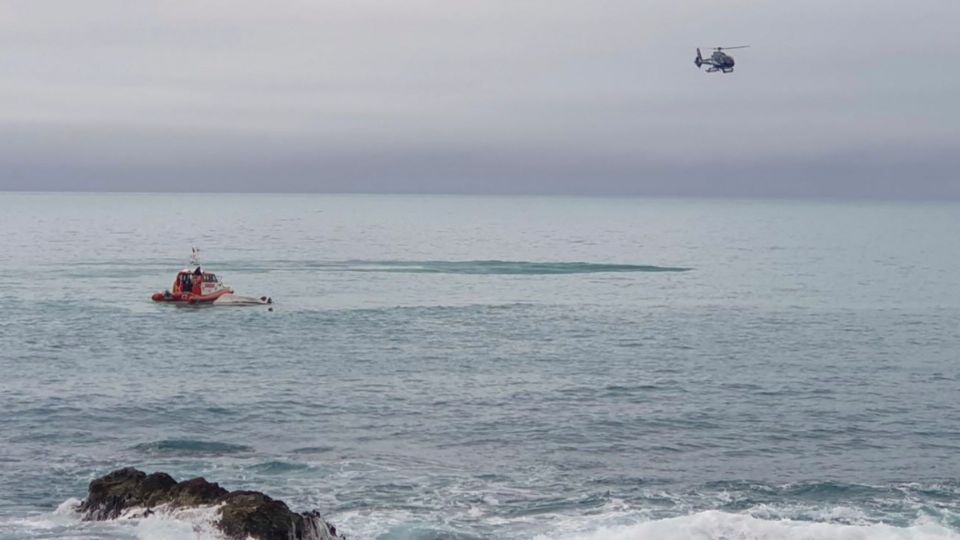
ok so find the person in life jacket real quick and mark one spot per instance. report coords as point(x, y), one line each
point(198, 281)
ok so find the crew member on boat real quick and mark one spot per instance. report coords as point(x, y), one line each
point(198, 281)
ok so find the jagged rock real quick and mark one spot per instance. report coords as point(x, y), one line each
point(243, 514)
point(195, 492)
point(125, 488)
point(253, 514)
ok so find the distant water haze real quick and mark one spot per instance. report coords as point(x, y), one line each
point(851, 99)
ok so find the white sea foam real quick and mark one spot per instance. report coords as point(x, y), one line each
point(716, 525)
point(158, 523)
point(162, 524)
point(617, 521)
point(164, 528)
point(182, 523)
point(69, 508)
point(363, 525)
point(833, 514)
point(195, 524)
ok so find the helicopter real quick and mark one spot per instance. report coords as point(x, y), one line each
point(718, 61)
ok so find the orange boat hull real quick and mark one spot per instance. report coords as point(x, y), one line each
point(189, 298)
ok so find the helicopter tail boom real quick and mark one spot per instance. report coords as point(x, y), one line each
point(699, 59)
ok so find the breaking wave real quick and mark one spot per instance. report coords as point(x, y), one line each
point(164, 524)
point(717, 525)
point(613, 522)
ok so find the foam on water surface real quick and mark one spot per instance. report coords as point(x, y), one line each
point(716, 525)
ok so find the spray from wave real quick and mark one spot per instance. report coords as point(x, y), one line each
point(163, 524)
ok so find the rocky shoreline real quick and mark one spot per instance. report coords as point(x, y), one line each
point(241, 514)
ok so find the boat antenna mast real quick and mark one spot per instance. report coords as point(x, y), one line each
point(195, 257)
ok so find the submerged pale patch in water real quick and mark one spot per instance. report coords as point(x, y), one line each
point(504, 268)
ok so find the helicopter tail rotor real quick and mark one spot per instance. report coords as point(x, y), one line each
point(699, 59)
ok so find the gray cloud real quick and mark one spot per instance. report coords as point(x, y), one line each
point(857, 99)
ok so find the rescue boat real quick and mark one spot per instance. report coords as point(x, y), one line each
point(194, 287)
point(201, 287)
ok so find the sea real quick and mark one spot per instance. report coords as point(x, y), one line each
point(482, 367)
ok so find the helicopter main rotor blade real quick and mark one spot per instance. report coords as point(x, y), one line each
point(728, 48)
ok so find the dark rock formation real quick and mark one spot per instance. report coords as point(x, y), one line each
point(253, 514)
point(243, 514)
point(126, 488)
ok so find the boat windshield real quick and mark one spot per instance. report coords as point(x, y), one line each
point(211, 278)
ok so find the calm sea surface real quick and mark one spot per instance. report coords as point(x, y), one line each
point(486, 367)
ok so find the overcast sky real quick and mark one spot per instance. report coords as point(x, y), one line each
point(835, 98)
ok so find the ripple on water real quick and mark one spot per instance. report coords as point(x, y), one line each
point(191, 447)
point(278, 467)
point(312, 450)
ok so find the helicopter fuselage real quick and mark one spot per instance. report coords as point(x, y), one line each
point(718, 61)
point(721, 61)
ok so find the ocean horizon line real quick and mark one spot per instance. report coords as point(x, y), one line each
point(545, 195)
